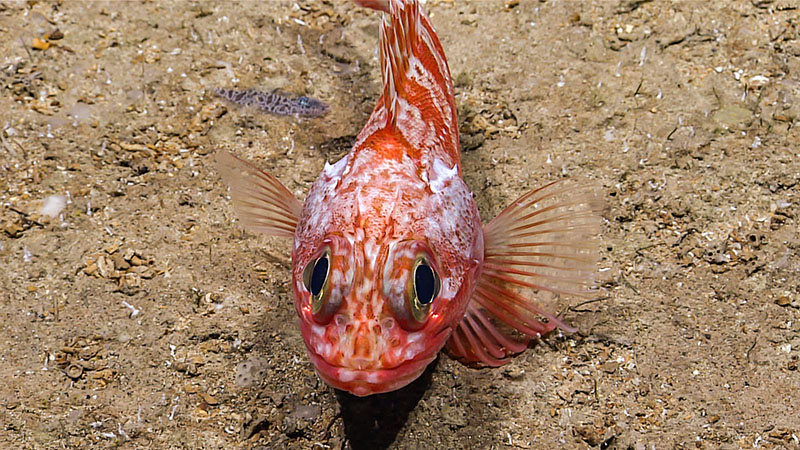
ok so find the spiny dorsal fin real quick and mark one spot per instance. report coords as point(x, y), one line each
point(418, 98)
point(262, 203)
point(380, 5)
point(542, 244)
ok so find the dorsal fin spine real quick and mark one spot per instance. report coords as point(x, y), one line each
point(417, 103)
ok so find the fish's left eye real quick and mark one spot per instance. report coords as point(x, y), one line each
point(424, 288)
point(411, 283)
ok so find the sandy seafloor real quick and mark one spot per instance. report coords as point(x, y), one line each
point(142, 316)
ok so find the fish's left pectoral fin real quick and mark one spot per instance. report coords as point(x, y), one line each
point(260, 200)
point(477, 339)
point(544, 245)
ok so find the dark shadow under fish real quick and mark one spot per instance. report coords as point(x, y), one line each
point(275, 102)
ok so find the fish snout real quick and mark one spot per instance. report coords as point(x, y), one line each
point(365, 350)
point(364, 344)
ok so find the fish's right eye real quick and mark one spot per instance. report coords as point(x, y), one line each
point(326, 279)
point(315, 279)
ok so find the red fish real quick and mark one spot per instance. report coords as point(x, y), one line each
point(390, 259)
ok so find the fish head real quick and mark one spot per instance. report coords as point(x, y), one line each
point(382, 271)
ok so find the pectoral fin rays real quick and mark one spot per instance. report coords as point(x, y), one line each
point(262, 203)
point(542, 244)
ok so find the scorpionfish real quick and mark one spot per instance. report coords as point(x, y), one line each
point(391, 261)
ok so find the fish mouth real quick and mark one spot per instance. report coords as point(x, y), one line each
point(367, 382)
point(377, 381)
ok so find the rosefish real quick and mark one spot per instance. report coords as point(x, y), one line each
point(391, 261)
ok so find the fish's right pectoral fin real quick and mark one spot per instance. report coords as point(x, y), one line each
point(542, 246)
point(261, 202)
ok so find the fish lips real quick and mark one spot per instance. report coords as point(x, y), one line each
point(377, 381)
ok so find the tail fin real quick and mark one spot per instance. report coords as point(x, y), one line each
point(543, 242)
point(418, 99)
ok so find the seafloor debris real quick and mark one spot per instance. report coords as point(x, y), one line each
point(251, 372)
point(275, 102)
point(484, 116)
point(128, 267)
point(46, 41)
point(84, 357)
point(53, 205)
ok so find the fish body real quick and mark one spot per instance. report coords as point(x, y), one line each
point(390, 259)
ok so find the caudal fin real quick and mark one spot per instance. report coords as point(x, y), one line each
point(543, 244)
point(262, 203)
